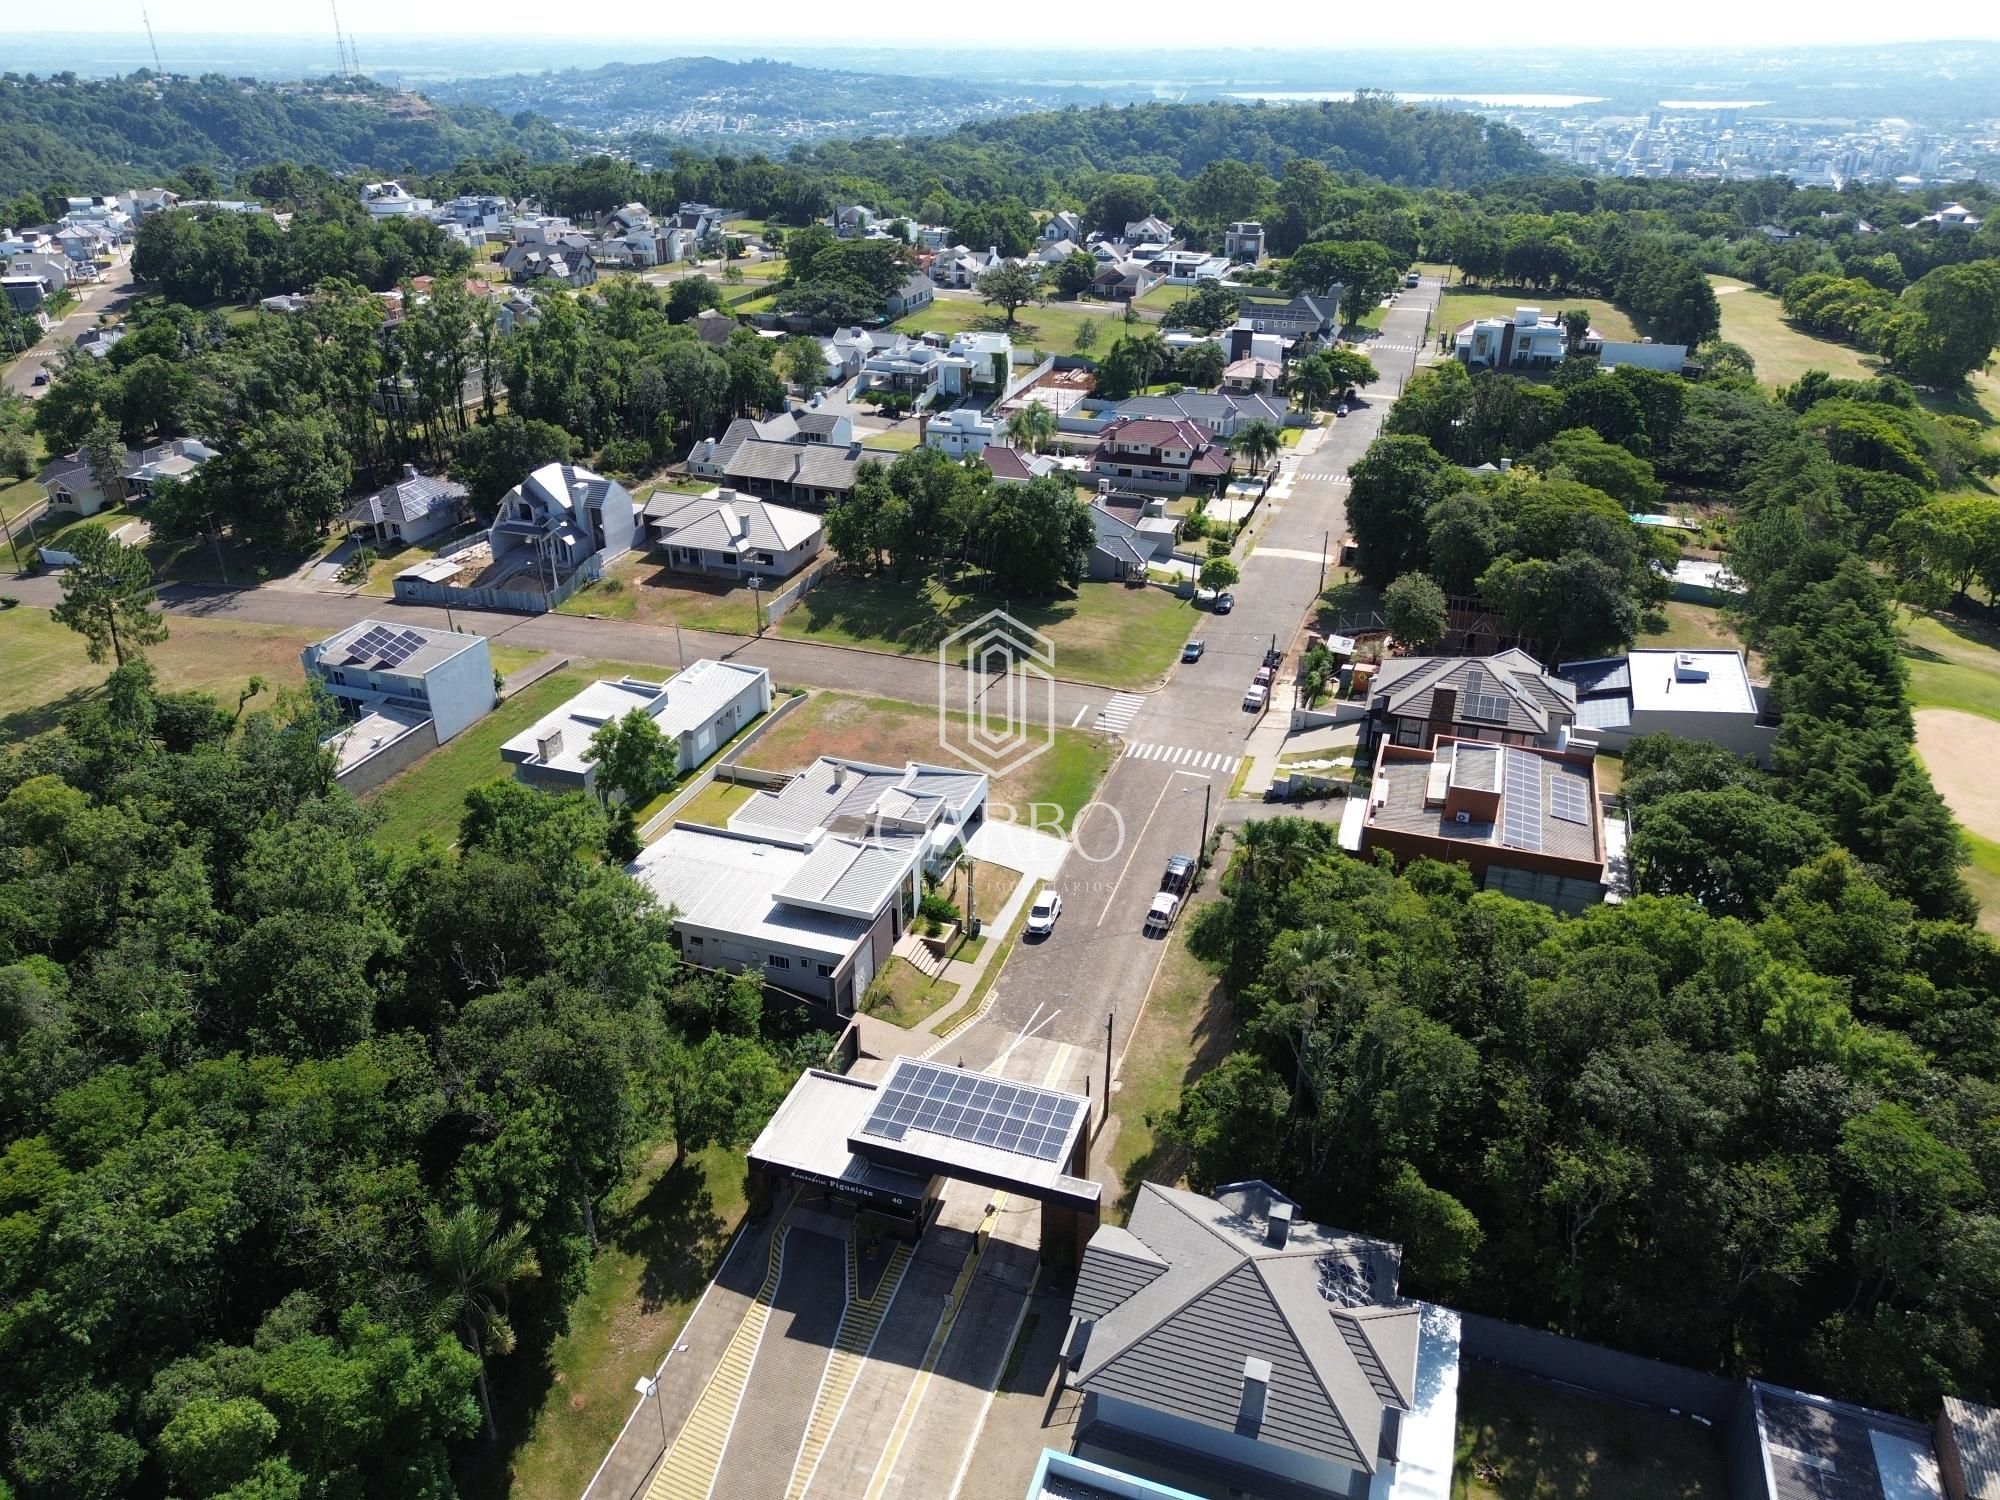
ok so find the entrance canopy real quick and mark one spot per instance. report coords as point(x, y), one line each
point(887, 1142)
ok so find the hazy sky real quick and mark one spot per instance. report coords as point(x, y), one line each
point(1311, 23)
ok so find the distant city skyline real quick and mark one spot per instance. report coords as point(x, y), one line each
point(1568, 24)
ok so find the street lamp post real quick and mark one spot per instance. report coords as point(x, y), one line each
point(649, 1390)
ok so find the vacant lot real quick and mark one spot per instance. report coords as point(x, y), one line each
point(1783, 353)
point(890, 732)
point(1519, 1441)
point(1460, 305)
point(1698, 627)
point(44, 670)
point(641, 588)
point(1050, 328)
point(1103, 633)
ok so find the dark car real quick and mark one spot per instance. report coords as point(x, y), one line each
point(1180, 871)
point(41, 377)
point(1224, 603)
point(1193, 649)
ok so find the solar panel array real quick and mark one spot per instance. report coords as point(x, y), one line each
point(1521, 803)
point(385, 645)
point(1477, 703)
point(970, 1107)
point(1569, 797)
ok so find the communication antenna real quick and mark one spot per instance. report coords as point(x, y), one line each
point(353, 55)
point(150, 42)
point(339, 46)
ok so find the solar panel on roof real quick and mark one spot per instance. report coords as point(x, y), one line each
point(1521, 809)
point(1569, 797)
point(984, 1111)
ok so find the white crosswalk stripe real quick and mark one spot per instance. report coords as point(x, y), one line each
point(1219, 761)
point(1117, 715)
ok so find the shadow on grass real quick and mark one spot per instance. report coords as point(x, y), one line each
point(675, 1227)
point(916, 616)
point(1165, 1160)
point(40, 718)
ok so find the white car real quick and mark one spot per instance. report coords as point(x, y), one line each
point(1042, 915)
point(1160, 916)
point(1254, 699)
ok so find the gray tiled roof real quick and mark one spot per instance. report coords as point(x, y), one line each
point(410, 498)
point(1119, 1264)
point(700, 521)
point(1528, 693)
point(1177, 1341)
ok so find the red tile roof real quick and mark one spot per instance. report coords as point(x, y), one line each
point(1159, 432)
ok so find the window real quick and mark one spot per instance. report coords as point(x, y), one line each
point(764, 559)
point(825, 971)
point(777, 961)
point(694, 940)
point(1407, 731)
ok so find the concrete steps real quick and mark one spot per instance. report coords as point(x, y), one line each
point(689, 1469)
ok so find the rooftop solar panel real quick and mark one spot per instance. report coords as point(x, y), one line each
point(1521, 811)
point(1569, 797)
point(966, 1107)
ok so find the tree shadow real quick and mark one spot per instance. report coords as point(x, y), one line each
point(674, 1227)
point(40, 718)
point(917, 615)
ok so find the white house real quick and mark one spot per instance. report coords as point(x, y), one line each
point(561, 515)
point(1692, 695)
point(1062, 225)
point(71, 487)
point(735, 536)
point(408, 508)
point(391, 200)
point(961, 432)
point(699, 708)
point(401, 689)
point(1952, 216)
point(1244, 240)
point(1527, 341)
point(976, 358)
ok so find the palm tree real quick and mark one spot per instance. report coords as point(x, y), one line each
point(1312, 382)
point(473, 1263)
point(1257, 443)
point(1152, 353)
point(1031, 426)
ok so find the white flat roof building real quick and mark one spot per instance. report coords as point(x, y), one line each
point(1694, 695)
point(698, 708)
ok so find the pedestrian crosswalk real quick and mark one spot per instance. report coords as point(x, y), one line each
point(1180, 755)
point(1117, 715)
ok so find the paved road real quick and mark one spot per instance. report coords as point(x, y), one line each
point(111, 294)
point(1098, 962)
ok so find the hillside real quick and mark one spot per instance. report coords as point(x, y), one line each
point(86, 136)
point(1398, 143)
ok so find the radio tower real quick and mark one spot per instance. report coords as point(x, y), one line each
point(150, 42)
point(339, 46)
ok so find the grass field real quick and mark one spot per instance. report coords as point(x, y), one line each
point(1461, 304)
point(1518, 1441)
point(1102, 633)
point(714, 803)
point(1955, 663)
point(1694, 627)
point(891, 732)
point(44, 670)
point(902, 440)
point(660, 1247)
point(1783, 353)
point(903, 995)
point(639, 588)
point(1051, 328)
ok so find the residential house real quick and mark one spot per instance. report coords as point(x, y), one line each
point(1133, 533)
point(1253, 377)
point(220, 206)
point(1150, 230)
point(1529, 340)
point(408, 509)
point(143, 201)
point(25, 294)
point(391, 200)
point(930, 236)
point(961, 432)
point(1692, 695)
point(852, 221)
point(1062, 225)
point(727, 535)
point(54, 270)
point(913, 295)
point(1644, 355)
point(560, 517)
point(1153, 453)
point(1308, 318)
point(910, 367)
point(809, 886)
point(699, 709)
point(98, 342)
point(847, 349)
point(71, 487)
point(713, 326)
point(1063, 1476)
point(699, 220)
point(1509, 698)
point(1017, 465)
point(1953, 216)
point(1231, 1344)
point(1524, 819)
point(573, 268)
point(976, 358)
point(1055, 252)
point(961, 268)
point(401, 690)
point(286, 302)
point(1125, 280)
point(805, 457)
point(1967, 1437)
point(1244, 240)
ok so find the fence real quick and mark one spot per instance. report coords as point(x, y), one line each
point(485, 596)
point(776, 604)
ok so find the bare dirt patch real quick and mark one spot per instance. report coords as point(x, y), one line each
point(1959, 750)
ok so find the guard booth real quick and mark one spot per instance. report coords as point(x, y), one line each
point(890, 1146)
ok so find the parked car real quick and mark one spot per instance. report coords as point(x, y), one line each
point(1180, 871)
point(1273, 656)
point(1340, 410)
point(1264, 675)
point(1412, 279)
point(41, 377)
point(1224, 603)
point(1160, 916)
point(1254, 699)
point(1193, 649)
point(1042, 915)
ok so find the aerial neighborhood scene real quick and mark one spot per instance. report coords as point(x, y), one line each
point(784, 757)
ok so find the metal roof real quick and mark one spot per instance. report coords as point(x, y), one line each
point(410, 498)
point(848, 877)
point(1179, 1342)
point(728, 884)
point(1817, 1448)
point(1975, 1429)
point(417, 649)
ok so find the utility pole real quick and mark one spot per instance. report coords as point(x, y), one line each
point(679, 647)
point(215, 536)
point(1201, 849)
point(1325, 541)
point(1107, 1070)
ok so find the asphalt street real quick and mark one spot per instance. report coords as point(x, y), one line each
point(109, 295)
point(1098, 963)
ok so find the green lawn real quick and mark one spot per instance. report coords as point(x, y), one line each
point(1460, 305)
point(1519, 1441)
point(640, 588)
point(890, 731)
point(1102, 632)
point(1690, 626)
point(901, 994)
point(899, 441)
point(661, 1245)
point(1783, 353)
point(1051, 327)
point(714, 803)
point(44, 669)
point(1953, 663)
